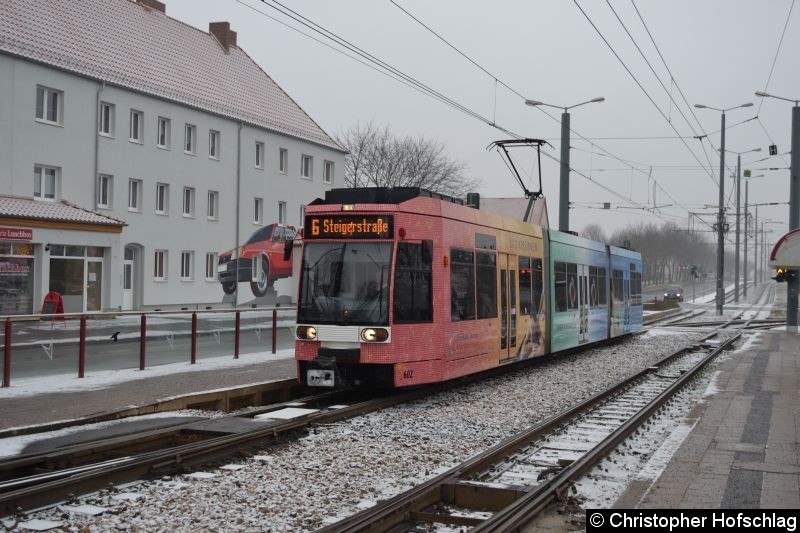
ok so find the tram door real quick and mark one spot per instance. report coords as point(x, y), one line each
point(583, 303)
point(508, 281)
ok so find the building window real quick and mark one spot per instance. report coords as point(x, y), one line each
point(187, 266)
point(306, 166)
point(211, 266)
point(188, 144)
point(162, 198)
point(106, 126)
point(134, 195)
point(283, 160)
point(258, 211)
point(163, 132)
point(104, 191)
point(44, 182)
point(48, 105)
point(327, 174)
point(259, 155)
point(281, 212)
point(160, 265)
point(213, 144)
point(188, 202)
point(137, 120)
point(213, 205)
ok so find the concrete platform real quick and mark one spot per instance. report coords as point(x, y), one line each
point(742, 451)
point(51, 407)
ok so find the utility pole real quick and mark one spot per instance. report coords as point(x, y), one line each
point(563, 192)
point(738, 199)
point(744, 274)
point(794, 217)
point(755, 252)
point(721, 214)
point(721, 222)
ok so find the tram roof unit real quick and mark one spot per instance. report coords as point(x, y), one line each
point(416, 200)
point(381, 195)
point(575, 240)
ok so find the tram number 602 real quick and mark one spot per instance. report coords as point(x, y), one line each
point(408, 374)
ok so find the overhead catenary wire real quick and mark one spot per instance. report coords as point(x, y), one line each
point(639, 84)
point(403, 77)
point(520, 95)
point(777, 51)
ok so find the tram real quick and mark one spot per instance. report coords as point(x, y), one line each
point(402, 286)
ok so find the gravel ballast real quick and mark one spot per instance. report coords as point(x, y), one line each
point(336, 470)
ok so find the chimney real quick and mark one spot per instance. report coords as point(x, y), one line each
point(154, 4)
point(222, 31)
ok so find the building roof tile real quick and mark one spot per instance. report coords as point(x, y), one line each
point(63, 211)
point(126, 44)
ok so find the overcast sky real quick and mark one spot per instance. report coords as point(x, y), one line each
point(719, 52)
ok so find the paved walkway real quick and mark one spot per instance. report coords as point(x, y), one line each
point(52, 407)
point(743, 451)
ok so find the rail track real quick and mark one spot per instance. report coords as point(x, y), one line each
point(37, 480)
point(506, 487)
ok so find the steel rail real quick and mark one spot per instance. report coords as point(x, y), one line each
point(399, 509)
point(51, 489)
point(521, 512)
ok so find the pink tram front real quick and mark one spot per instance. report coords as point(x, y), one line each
point(402, 287)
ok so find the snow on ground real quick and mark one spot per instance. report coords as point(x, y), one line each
point(335, 470)
point(105, 378)
point(11, 446)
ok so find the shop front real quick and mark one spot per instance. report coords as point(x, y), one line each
point(56, 247)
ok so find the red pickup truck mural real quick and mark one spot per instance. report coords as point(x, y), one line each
point(260, 260)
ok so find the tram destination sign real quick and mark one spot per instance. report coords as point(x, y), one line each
point(348, 227)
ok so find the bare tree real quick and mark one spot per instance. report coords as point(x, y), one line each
point(668, 252)
point(594, 232)
point(378, 158)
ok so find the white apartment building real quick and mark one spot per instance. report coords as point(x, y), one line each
point(129, 141)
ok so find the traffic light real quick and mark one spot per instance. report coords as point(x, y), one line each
point(783, 274)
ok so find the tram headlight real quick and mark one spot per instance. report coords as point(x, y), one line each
point(307, 333)
point(374, 335)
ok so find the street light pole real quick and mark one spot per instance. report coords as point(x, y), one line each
point(563, 190)
point(755, 252)
point(738, 200)
point(794, 209)
point(794, 217)
point(744, 274)
point(721, 214)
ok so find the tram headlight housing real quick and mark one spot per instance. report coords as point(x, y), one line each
point(306, 333)
point(374, 335)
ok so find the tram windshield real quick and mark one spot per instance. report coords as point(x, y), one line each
point(345, 283)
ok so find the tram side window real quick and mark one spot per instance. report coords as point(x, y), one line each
point(560, 276)
point(617, 290)
point(538, 285)
point(525, 285)
point(487, 284)
point(636, 288)
point(572, 286)
point(412, 285)
point(462, 285)
point(602, 298)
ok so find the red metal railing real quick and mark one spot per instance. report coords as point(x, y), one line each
point(83, 319)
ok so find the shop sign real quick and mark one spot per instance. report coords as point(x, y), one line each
point(16, 234)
